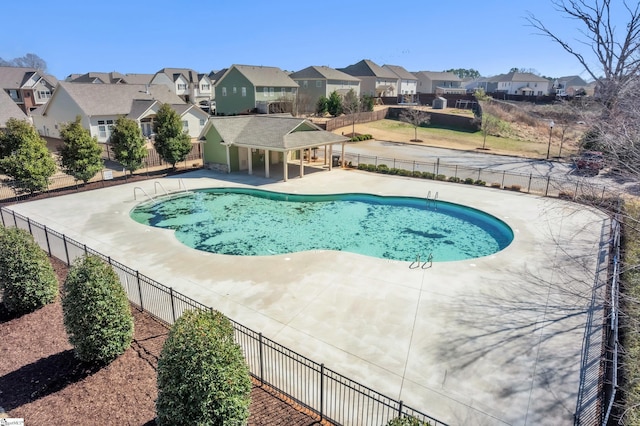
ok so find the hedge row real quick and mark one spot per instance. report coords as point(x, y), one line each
point(384, 169)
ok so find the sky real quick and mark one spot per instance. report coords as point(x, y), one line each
point(144, 36)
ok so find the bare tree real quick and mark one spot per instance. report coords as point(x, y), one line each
point(489, 121)
point(30, 60)
point(351, 105)
point(618, 59)
point(415, 117)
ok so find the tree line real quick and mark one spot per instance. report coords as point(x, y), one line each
point(27, 162)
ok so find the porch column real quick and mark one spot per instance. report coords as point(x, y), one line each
point(328, 151)
point(250, 162)
point(301, 162)
point(266, 163)
point(325, 156)
point(342, 157)
point(285, 166)
point(228, 160)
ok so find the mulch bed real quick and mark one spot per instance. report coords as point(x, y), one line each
point(42, 382)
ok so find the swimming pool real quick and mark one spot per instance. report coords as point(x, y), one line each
point(252, 222)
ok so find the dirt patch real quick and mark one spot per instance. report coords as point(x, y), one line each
point(42, 382)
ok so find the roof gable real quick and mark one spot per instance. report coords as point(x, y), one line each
point(440, 76)
point(322, 72)
point(261, 76)
point(9, 109)
point(368, 68)
point(400, 72)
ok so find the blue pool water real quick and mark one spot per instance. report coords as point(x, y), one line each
point(251, 222)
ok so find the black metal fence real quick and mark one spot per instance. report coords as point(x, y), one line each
point(572, 189)
point(330, 395)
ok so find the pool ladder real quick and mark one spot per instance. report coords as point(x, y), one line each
point(143, 191)
point(156, 184)
point(417, 263)
point(432, 200)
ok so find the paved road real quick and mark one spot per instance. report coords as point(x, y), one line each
point(475, 159)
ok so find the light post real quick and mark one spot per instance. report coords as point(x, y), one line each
point(551, 124)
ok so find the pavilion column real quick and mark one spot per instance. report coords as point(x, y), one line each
point(301, 162)
point(266, 163)
point(328, 153)
point(285, 165)
point(228, 160)
point(342, 157)
point(325, 155)
point(250, 162)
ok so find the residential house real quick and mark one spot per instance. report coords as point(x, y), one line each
point(317, 81)
point(100, 105)
point(483, 83)
point(374, 80)
point(192, 87)
point(522, 83)
point(110, 78)
point(440, 83)
point(263, 141)
point(570, 86)
point(27, 87)
point(407, 84)
point(246, 89)
point(9, 109)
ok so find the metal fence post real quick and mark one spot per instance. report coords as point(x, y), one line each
point(173, 310)
point(437, 165)
point(321, 392)
point(140, 289)
point(503, 173)
point(29, 225)
point(394, 162)
point(414, 166)
point(46, 237)
point(86, 253)
point(15, 222)
point(455, 172)
point(546, 191)
point(529, 187)
point(376, 161)
point(66, 249)
point(2, 216)
point(260, 352)
point(479, 170)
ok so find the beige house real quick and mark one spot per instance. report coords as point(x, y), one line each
point(192, 87)
point(375, 80)
point(440, 83)
point(100, 105)
point(317, 81)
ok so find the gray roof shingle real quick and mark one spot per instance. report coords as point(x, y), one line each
point(269, 132)
point(9, 109)
point(322, 72)
point(400, 72)
point(261, 76)
point(367, 68)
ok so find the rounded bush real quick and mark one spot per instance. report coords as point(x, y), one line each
point(407, 421)
point(202, 375)
point(27, 279)
point(96, 311)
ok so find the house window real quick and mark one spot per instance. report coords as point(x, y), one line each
point(244, 91)
point(234, 90)
point(272, 91)
point(44, 94)
point(224, 91)
point(305, 83)
point(202, 122)
point(185, 125)
point(205, 87)
point(265, 91)
point(283, 91)
point(318, 83)
point(14, 94)
point(182, 86)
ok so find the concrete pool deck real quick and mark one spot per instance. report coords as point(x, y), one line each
point(493, 340)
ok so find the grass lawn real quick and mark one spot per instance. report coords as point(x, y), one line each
point(393, 130)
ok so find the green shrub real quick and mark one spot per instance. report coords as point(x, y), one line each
point(27, 279)
point(403, 172)
point(428, 175)
point(371, 167)
point(202, 375)
point(417, 174)
point(362, 166)
point(441, 177)
point(407, 421)
point(454, 179)
point(96, 311)
point(469, 181)
point(480, 182)
point(382, 168)
point(394, 171)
